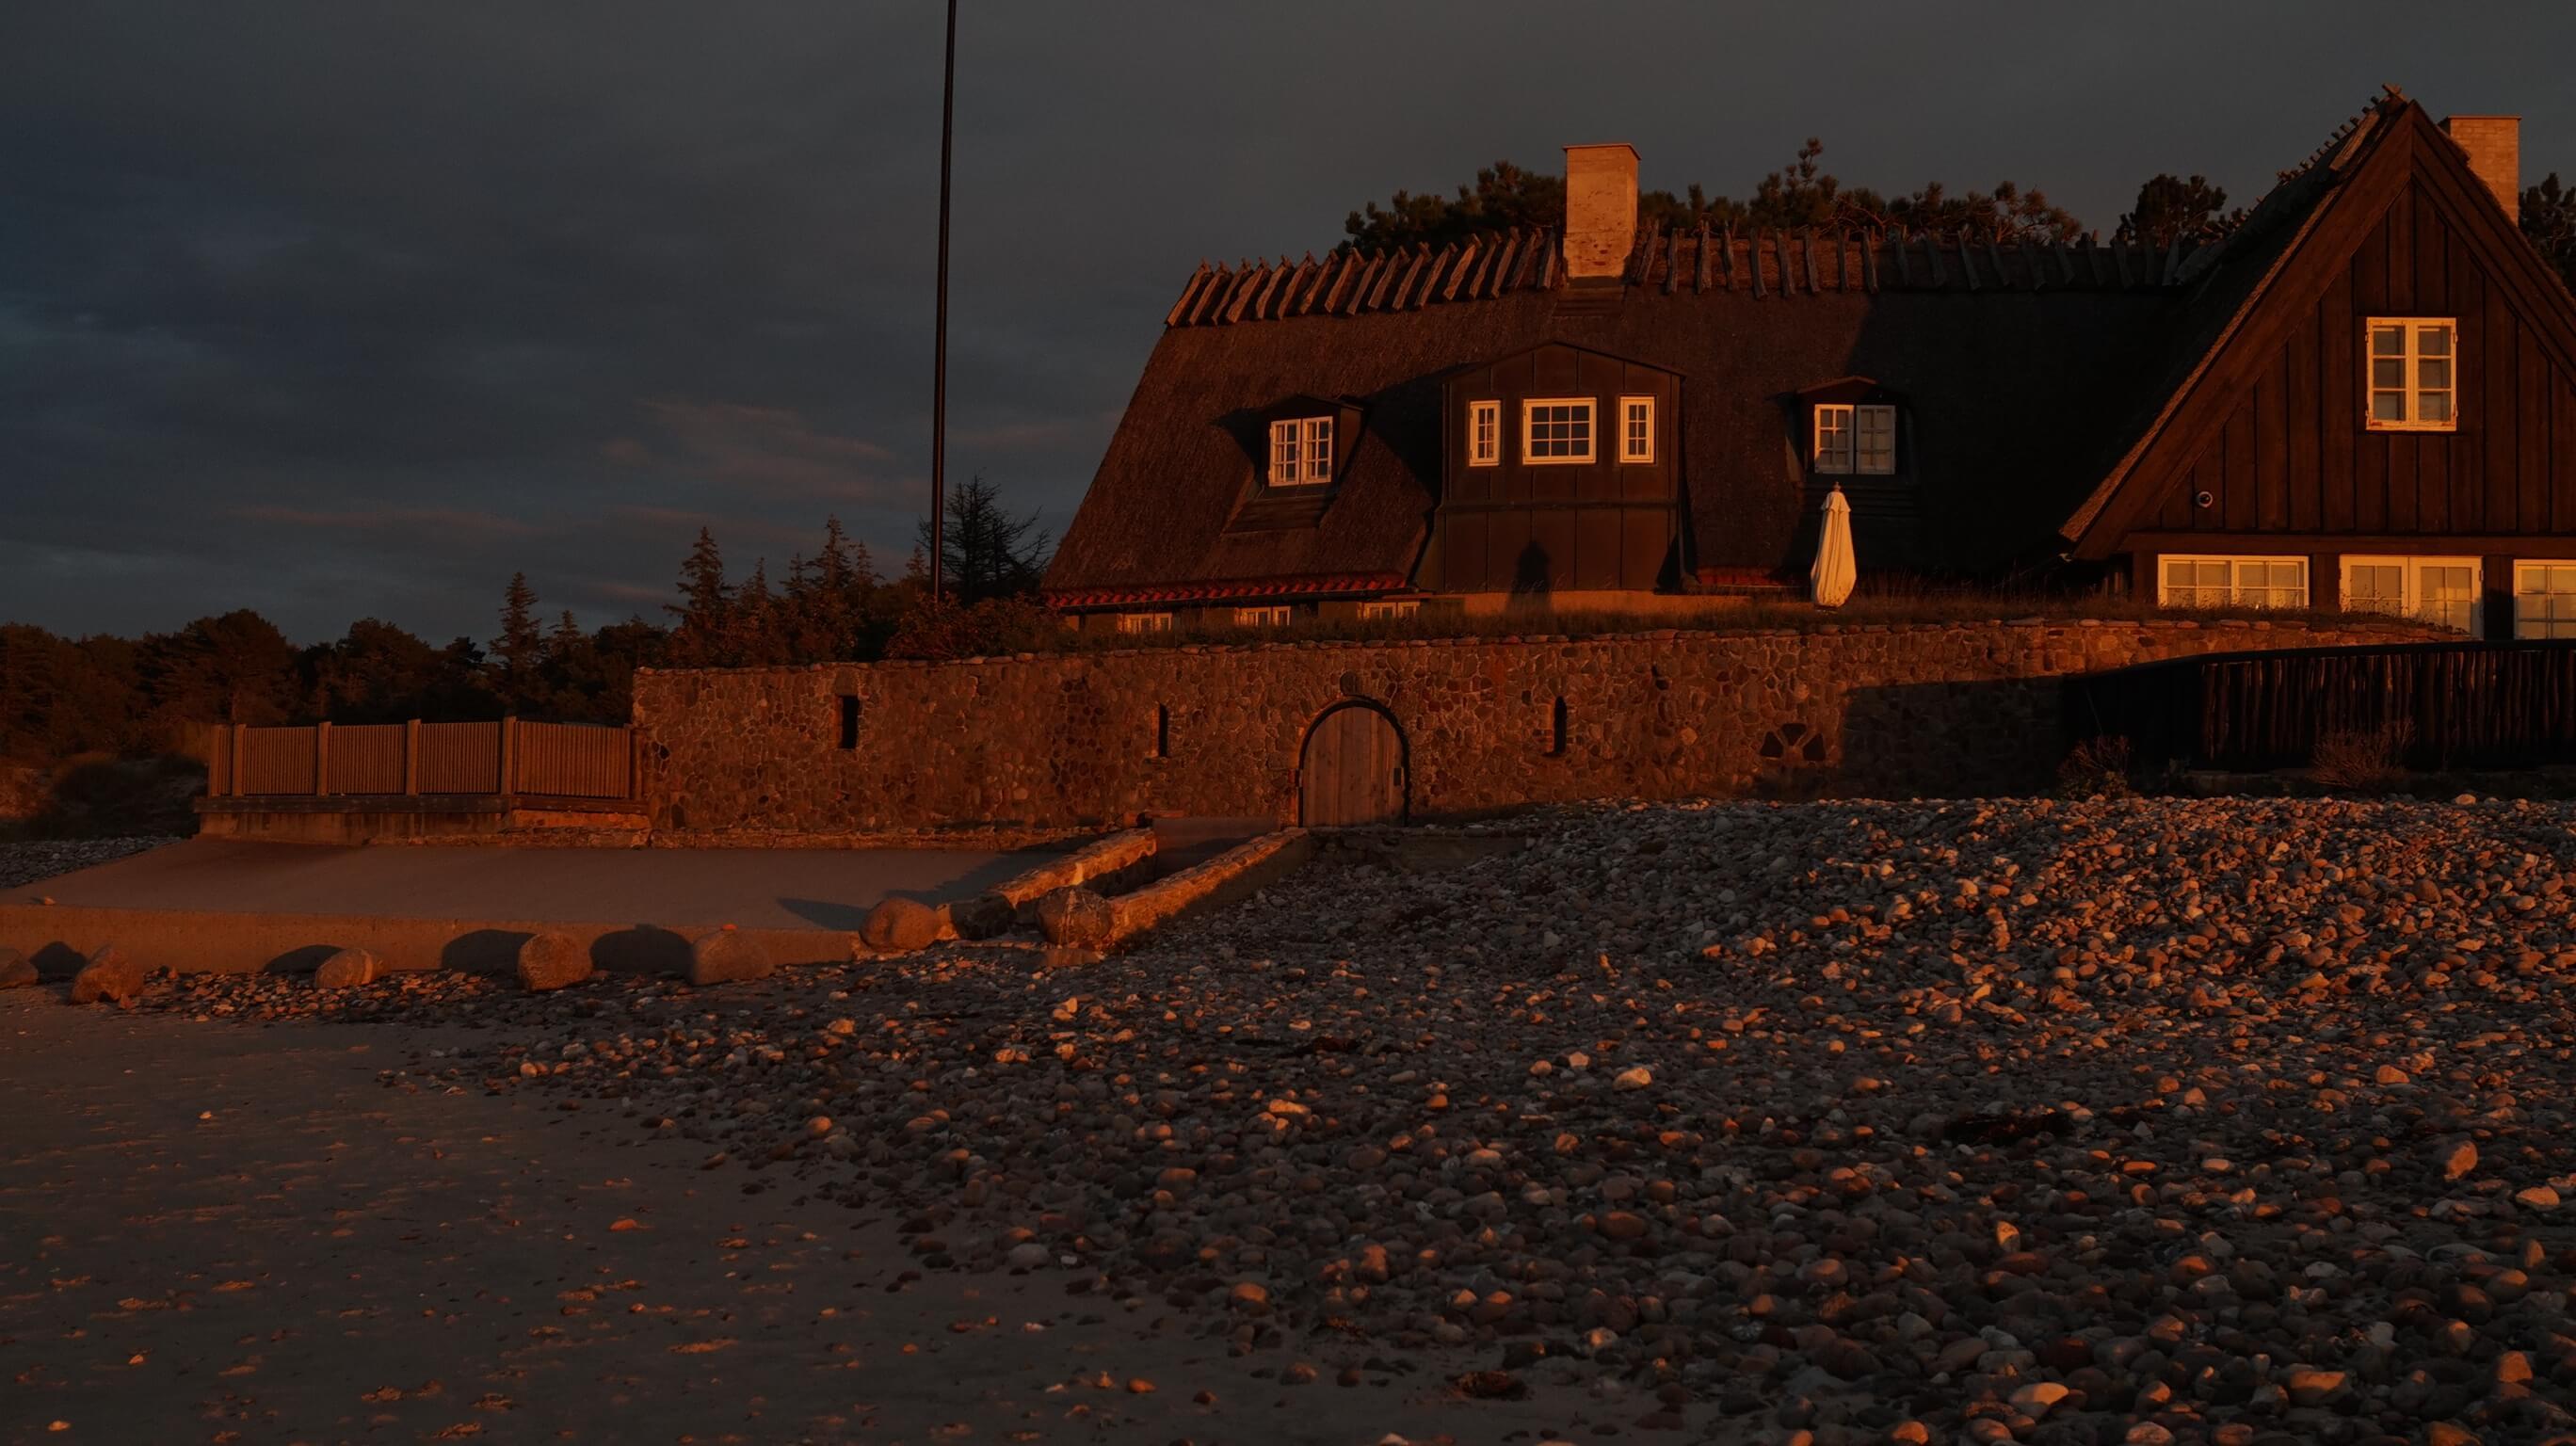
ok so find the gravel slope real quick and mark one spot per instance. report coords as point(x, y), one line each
point(2111, 1121)
point(25, 863)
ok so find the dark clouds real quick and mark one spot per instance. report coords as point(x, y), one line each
point(344, 309)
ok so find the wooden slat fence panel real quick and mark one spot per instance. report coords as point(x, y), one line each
point(367, 758)
point(2458, 705)
point(573, 760)
point(277, 760)
point(460, 758)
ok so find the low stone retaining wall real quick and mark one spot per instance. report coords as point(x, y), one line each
point(1488, 725)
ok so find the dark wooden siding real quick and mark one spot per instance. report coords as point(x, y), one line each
point(1599, 526)
point(2295, 458)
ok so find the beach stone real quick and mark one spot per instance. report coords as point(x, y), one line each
point(728, 956)
point(550, 960)
point(2455, 1158)
point(900, 926)
point(16, 970)
point(986, 916)
point(110, 975)
point(1077, 918)
point(347, 969)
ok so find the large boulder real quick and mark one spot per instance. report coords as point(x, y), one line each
point(347, 969)
point(110, 975)
point(1077, 918)
point(726, 956)
point(899, 926)
point(16, 969)
point(549, 960)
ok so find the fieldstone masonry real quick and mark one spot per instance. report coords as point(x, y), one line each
point(1069, 740)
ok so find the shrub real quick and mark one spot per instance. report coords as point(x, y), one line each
point(2363, 760)
point(2096, 768)
point(994, 627)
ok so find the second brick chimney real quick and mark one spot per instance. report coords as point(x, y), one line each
point(2494, 146)
point(1600, 210)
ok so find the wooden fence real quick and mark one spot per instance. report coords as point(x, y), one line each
point(2437, 705)
point(563, 760)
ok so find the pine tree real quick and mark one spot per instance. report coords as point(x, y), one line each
point(986, 552)
point(704, 614)
point(519, 645)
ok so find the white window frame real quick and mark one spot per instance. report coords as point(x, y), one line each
point(2411, 359)
point(1271, 615)
point(2411, 602)
point(2234, 585)
point(1485, 434)
point(1862, 462)
point(1637, 429)
point(1529, 432)
point(1840, 423)
point(2524, 592)
point(1833, 423)
point(1391, 608)
point(1144, 622)
point(1301, 451)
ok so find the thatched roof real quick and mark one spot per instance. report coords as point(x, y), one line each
point(2026, 370)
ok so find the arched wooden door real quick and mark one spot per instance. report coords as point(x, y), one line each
point(1353, 769)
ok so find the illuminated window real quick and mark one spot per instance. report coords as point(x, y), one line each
point(1484, 434)
point(1301, 451)
point(2544, 599)
point(1855, 439)
point(1144, 622)
point(1556, 430)
point(1636, 429)
point(2239, 582)
point(1263, 617)
point(1400, 608)
point(2412, 384)
point(2443, 591)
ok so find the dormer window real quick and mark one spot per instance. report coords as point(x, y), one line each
point(1855, 439)
point(1301, 451)
point(1556, 430)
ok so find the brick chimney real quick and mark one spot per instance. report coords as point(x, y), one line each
point(2494, 145)
point(1600, 210)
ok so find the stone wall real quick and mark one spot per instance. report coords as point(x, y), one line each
point(1061, 740)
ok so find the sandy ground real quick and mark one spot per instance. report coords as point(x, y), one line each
point(231, 1232)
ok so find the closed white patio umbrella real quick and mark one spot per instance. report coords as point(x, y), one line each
point(1832, 577)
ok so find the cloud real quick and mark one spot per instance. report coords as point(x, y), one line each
point(777, 453)
point(380, 519)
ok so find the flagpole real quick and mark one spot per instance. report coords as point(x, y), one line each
point(939, 355)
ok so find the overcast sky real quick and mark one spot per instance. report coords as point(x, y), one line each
point(347, 309)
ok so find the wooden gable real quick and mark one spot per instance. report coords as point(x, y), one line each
point(2267, 437)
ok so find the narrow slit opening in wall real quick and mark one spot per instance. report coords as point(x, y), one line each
point(1162, 730)
point(849, 720)
point(1556, 731)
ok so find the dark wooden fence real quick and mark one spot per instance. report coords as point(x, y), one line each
point(2450, 705)
point(563, 760)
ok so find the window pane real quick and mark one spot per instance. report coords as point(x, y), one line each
point(2388, 406)
point(2387, 341)
point(2433, 406)
point(2388, 375)
point(2433, 340)
point(2434, 373)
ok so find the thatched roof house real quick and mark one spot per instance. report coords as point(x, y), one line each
point(1604, 414)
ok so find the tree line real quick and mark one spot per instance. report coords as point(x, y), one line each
point(62, 697)
point(2168, 208)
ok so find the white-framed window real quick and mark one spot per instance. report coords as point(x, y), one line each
point(1852, 438)
point(1636, 429)
point(2231, 582)
point(1484, 434)
point(2412, 374)
point(1276, 615)
point(1391, 608)
point(2444, 591)
point(1301, 451)
point(1874, 441)
point(1144, 622)
point(1556, 430)
point(2544, 599)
